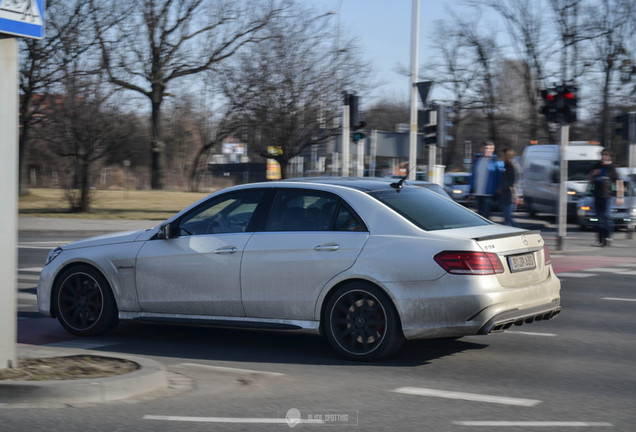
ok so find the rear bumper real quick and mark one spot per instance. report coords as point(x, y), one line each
point(483, 308)
point(503, 321)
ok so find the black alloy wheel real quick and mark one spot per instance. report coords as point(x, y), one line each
point(84, 302)
point(361, 322)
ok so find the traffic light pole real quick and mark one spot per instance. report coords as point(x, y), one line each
point(346, 134)
point(563, 200)
point(631, 134)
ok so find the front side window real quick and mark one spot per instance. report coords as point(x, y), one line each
point(228, 213)
point(307, 210)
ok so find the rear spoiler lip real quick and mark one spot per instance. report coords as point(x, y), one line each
point(504, 235)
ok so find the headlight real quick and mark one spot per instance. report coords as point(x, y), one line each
point(53, 254)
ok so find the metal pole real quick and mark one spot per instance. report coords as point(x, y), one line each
point(563, 200)
point(631, 135)
point(9, 199)
point(413, 131)
point(346, 134)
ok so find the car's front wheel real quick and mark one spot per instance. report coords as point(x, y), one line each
point(361, 323)
point(84, 302)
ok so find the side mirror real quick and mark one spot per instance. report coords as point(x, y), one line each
point(164, 231)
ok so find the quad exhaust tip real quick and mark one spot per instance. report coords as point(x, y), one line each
point(505, 325)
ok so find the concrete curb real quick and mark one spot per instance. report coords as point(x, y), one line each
point(150, 376)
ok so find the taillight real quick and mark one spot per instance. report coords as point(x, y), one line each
point(546, 255)
point(475, 263)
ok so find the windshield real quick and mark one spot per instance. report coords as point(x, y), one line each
point(428, 210)
point(579, 169)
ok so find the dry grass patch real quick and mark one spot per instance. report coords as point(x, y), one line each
point(67, 368)
point(109, 204)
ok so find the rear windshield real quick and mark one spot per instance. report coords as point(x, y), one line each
point(428, 210)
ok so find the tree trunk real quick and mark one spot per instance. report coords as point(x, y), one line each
point(157, 146)
point(23, 150)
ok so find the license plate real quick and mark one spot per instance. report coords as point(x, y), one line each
point(523, 262)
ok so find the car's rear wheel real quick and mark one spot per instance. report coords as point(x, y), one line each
point(361, 323)
point(84, 302)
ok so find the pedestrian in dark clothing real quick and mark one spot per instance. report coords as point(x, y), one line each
point(508, 195)
point(605, 181)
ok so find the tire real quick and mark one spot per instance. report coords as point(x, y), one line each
point(531, 211)
point(84, 303)
point(361, 323)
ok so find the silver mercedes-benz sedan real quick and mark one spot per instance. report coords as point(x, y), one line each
point(364, 262)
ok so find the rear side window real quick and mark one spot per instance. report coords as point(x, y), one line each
point(310, 210)
point(429, 210)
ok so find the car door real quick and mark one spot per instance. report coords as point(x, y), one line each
point(310, 237)
point(197, 270)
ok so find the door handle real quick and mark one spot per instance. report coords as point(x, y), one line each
point(327, 247)
point(226, 250)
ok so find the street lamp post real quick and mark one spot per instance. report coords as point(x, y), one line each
point(413, 130)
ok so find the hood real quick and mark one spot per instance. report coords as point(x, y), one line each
point(580, 186)
point(108, 239)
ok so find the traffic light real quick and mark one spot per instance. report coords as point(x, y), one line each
point(354, 114)
point(354, 118)
point(568, 98)
point(559, 104)
point(550, 108)
point(427, 124)
point(357, 136)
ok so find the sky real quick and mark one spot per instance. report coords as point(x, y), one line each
point(383, 30)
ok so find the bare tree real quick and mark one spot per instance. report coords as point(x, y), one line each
point(286, 92)
point(81, 128)
point(527, 29)
point(160, 41)
point(613, 23)
point(41, 67)
point(485, 54)
point(386, 114)
point(454, 71)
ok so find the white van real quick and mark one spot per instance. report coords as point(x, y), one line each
point(540, 175)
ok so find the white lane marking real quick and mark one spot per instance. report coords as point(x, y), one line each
point(467, 396)
point(531, 333)
point(533, 423)
point(618, 299)
point(230, 369)
point(250, 420)
point(627, 265)
point(606, 270)
point(575, 275)
point(31, 269)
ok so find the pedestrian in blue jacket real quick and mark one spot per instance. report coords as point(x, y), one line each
point(486, 178)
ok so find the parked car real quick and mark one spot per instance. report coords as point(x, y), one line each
point(457, 185)
point(623, 215)
point(365, 262)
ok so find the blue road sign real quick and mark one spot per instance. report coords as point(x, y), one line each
point(22, 18)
